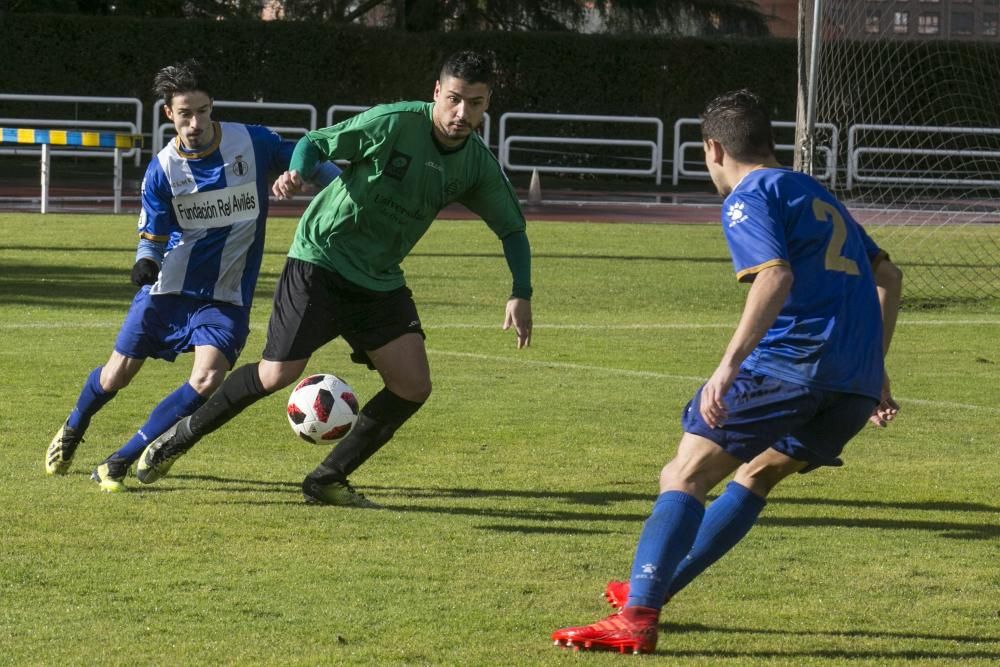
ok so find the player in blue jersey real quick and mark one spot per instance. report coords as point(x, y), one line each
point(201, 239)
point(801, 375)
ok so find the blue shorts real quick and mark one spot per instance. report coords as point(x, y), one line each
point(805, 423)
point(165, 325)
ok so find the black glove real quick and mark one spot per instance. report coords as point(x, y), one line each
point(145, 272)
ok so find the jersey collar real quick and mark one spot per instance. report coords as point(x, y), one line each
point(211, 148)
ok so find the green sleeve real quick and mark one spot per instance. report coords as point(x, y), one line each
point(517, 250)
point(305, 157)
point(493, 199)
point(356, 138)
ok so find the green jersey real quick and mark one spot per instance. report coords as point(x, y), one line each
point(364, 223)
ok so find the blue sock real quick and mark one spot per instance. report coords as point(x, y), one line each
point(177, 405)
point(666, 536)
point(92, 398)
point(727, 520)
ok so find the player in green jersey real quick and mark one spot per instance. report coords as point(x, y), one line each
point(343, 277)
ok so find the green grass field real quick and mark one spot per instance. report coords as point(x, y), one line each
point(511, 498)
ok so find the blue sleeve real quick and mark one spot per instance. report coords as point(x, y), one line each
point(754, 233)
point(273, 145)
point(325, 173)
point(872, 250)
point(156, 220)
point(283, 155)
point(150, 250)
point(282, 152)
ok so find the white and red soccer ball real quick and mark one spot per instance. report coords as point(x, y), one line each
point(322, 408)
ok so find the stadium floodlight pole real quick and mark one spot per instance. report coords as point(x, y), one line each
point(809, 138)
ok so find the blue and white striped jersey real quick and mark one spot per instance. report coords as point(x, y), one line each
point(210, 209)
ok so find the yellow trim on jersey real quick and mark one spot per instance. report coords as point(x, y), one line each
point(216, 140)
point(153, 237)
point(754, 270)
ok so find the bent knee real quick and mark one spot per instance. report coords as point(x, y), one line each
point(418, 391)
point(206, 382)
point(761, 477)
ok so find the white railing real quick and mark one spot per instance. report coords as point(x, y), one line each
point(79, 122)
point(904, 176)
point(160, 129)
point(352, 109)
point(656, 146)
point(84, 139)
point(829, 152)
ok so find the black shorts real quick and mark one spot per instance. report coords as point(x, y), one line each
point(313, 305)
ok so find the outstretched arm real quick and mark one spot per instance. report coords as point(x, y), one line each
point(517, 251)
point(889, 284)
point(304, 160)
point(767, 294)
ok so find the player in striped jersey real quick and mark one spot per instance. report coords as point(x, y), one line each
point(201, 239)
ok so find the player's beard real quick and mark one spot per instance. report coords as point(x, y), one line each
point(196, 141)
point(459, 130)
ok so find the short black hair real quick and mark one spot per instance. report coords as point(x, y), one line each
point(469, 66)
point(179, 78)
point(740, 121)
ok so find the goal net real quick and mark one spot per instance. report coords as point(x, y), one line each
point(910, 90)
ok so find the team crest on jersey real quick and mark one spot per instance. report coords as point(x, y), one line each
point(452, 187)
point(397, 165)
point(736, 214)
point(240, 166)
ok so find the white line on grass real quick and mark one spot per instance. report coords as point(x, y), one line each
point(669, 376)
point(684, 325)
point(563, 364)
point(469, 325)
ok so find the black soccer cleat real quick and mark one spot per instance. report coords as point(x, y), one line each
point(59, 455)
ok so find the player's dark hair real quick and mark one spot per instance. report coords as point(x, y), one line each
point(740, 121)
point(180, 78)
point(469, 66)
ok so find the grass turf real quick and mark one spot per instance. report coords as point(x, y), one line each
point(511, 498)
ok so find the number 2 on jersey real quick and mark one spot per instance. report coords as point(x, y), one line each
point(834, 260)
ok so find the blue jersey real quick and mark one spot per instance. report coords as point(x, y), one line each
point(829, 331)
point(210, 209)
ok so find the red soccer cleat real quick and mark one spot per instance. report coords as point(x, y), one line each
point(633, 630)
point(616, 593)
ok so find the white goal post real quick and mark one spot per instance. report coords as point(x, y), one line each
point(912, 87)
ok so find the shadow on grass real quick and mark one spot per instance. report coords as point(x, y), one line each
point(75, 287)
point(862, 634)
point(247, 484)
point(947, 529)
point(582, 257)
point(66, 286)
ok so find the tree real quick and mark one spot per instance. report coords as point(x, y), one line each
point(670, 17)
point(618, 16)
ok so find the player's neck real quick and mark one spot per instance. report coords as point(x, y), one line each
point(742, 170)
point(207, 140)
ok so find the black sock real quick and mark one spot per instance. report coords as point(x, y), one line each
point(378, 421)
point(240, 390)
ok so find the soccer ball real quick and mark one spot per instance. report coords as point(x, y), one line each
point(322, 408)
